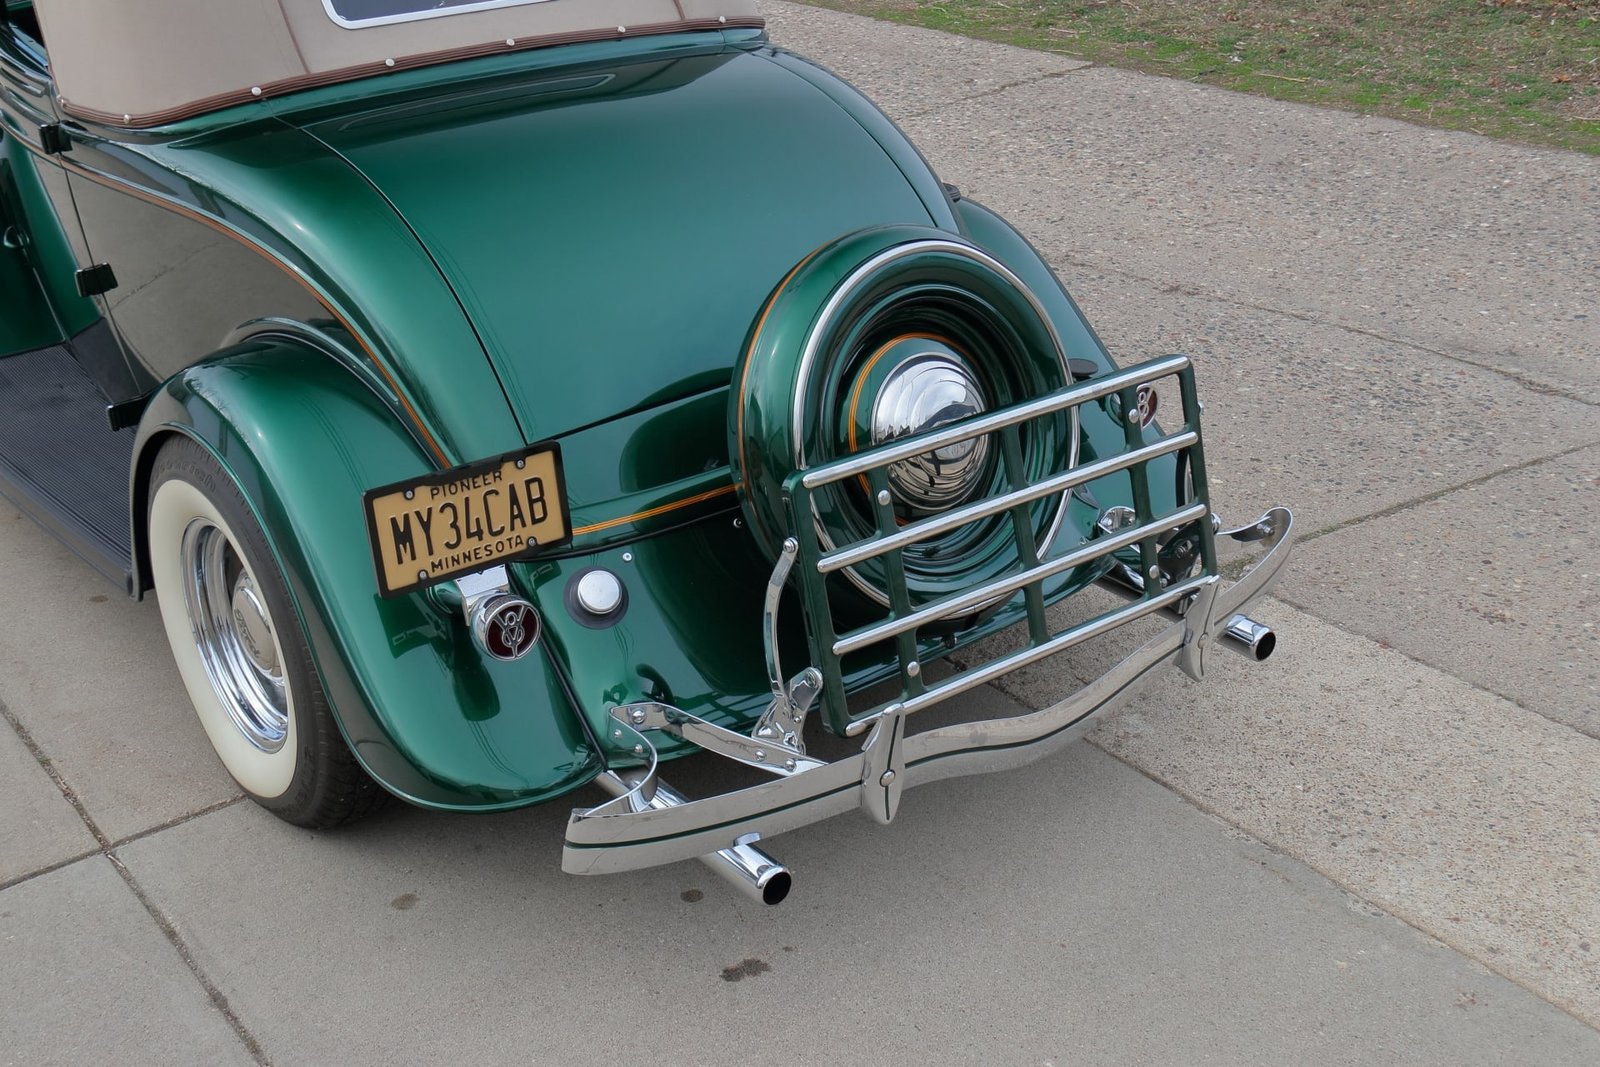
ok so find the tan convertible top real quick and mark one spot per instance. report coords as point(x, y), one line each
point(147, 62)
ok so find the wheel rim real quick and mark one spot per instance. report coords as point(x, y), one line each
point(234, 636)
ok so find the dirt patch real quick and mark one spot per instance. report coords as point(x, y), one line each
point(749, 968)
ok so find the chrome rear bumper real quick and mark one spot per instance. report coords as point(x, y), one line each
point(636, 829)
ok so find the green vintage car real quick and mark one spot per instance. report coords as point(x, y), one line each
point(506, 396)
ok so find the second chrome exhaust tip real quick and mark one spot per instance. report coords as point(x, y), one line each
point(1252, 640)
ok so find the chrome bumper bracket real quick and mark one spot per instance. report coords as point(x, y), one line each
point(883, 767)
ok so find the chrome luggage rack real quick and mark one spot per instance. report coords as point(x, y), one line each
point(646, 823)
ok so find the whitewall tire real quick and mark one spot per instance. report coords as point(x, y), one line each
point(239, 647)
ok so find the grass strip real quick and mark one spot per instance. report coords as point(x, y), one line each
point(1525, 70)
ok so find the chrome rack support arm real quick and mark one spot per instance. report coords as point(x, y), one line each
point(774, 757)
point(769, 616)
point(784, 721)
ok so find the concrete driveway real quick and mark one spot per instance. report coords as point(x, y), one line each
point(1381, 847)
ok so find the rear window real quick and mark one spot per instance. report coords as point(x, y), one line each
point(355, 13)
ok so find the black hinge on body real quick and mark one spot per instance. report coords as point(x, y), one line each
point(125, 414)
point(92, 281)
point(53, 139)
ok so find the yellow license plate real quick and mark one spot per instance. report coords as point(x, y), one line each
point(463, 520)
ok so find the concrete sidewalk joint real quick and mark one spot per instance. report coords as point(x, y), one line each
point(945, 105)
point(1236, 566)
point(1437, 494)
point(108, 849)
point(1213, 296)
point(1340, 878)
point(50, 868)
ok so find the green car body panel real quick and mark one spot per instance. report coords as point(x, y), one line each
point(565, 244)
point(633, 214)
point(304, 219)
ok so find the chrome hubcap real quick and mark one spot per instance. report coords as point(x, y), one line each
point(251, 624)
point(234, 636)
point(924, 393)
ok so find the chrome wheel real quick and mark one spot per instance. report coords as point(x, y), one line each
point(234, 636)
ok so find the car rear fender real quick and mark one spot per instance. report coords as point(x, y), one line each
point(427, 715)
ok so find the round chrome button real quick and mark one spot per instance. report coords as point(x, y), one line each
point(599, 592)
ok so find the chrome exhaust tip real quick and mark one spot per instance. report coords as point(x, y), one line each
point(749, 869)
point(1249, 638)
point(753, 872)
point(1252, 640)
